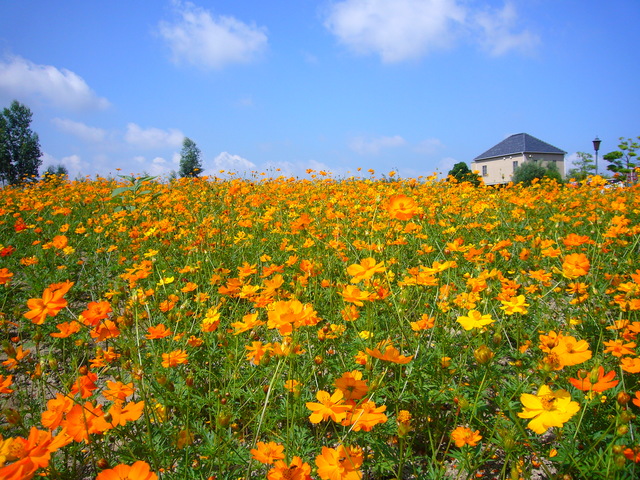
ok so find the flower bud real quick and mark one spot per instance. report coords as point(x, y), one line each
point(623, 398)
point(483, 354)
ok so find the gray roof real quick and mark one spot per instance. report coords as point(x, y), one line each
point(517, 144)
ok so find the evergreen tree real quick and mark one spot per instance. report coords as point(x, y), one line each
point(623, 162)
point(19, 145)
point(190, 163)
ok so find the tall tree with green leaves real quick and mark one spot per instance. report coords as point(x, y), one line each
point(190, 162)
point(19, 145)
point(583, 166)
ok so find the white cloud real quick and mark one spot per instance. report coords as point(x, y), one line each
point(231, 163)
point(409, 29)
point(80, 130)
point(152, 138)
point(73, 164)
point(429, 146)
point(398, 30)
point(445, 165)
point(497, 37)
point(363, 146)
point(60, 87)
point(199, 38)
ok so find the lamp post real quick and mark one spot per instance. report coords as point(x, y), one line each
point(596, 147)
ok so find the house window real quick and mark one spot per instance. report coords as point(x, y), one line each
point(484, 170)
point(515, 165)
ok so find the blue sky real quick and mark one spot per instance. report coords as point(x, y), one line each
point(408, 85)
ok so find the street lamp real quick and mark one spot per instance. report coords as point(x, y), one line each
point(596, 147)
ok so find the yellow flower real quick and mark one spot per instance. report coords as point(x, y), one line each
point(547, 409)
point(474, 320)
point(514, 305)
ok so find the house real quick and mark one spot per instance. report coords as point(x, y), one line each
point(497, 164)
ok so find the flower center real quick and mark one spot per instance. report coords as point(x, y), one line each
point(548, 402)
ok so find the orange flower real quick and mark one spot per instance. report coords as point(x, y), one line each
point(354, 295)
point(5, 383)
point(30, 454)
point(120, 415)
point(571, 351)
point(340, 463)
point(391, 354)
point(210, 321)
point(285, 315)
point(83, 420)
point(575, 265)
point(157, 331)
point(104, 330)
point(465, 436)
point(330, 406)
point(14, 357)
point(50, 303)
point(365, 416)
point(268, 453)
point(618, 348)
point(257, 350)
point(5, 276)
point(426, 322)
point(138, 471)
point(297, 470)
point(249, 322)
point(636, 401)
point(66, 329)
point(57, 408)
point(172, 359)
point(85, 384)
point(60, 241)
point(365, 270)
point(95, 312)
point(352, 385)
point(402, 207)
point(292, 386)
point(630, 365)
point(118, 391)
point(601, 382)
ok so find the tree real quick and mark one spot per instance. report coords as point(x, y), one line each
point(530, 170)
point(583, 167)
point(190, 163)
point(462, 173)
point(19, 145)
point(623, 162)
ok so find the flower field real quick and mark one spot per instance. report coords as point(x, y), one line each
point(327, 329)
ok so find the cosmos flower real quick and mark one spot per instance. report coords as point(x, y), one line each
point(547, 409)
point(465, 436)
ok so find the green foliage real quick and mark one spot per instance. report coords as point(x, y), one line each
point(584, 167)
point(623, 162)
point(19, 145)
point(462, 173)
point(131, 194)
point(190, 162)
point(527, 172)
